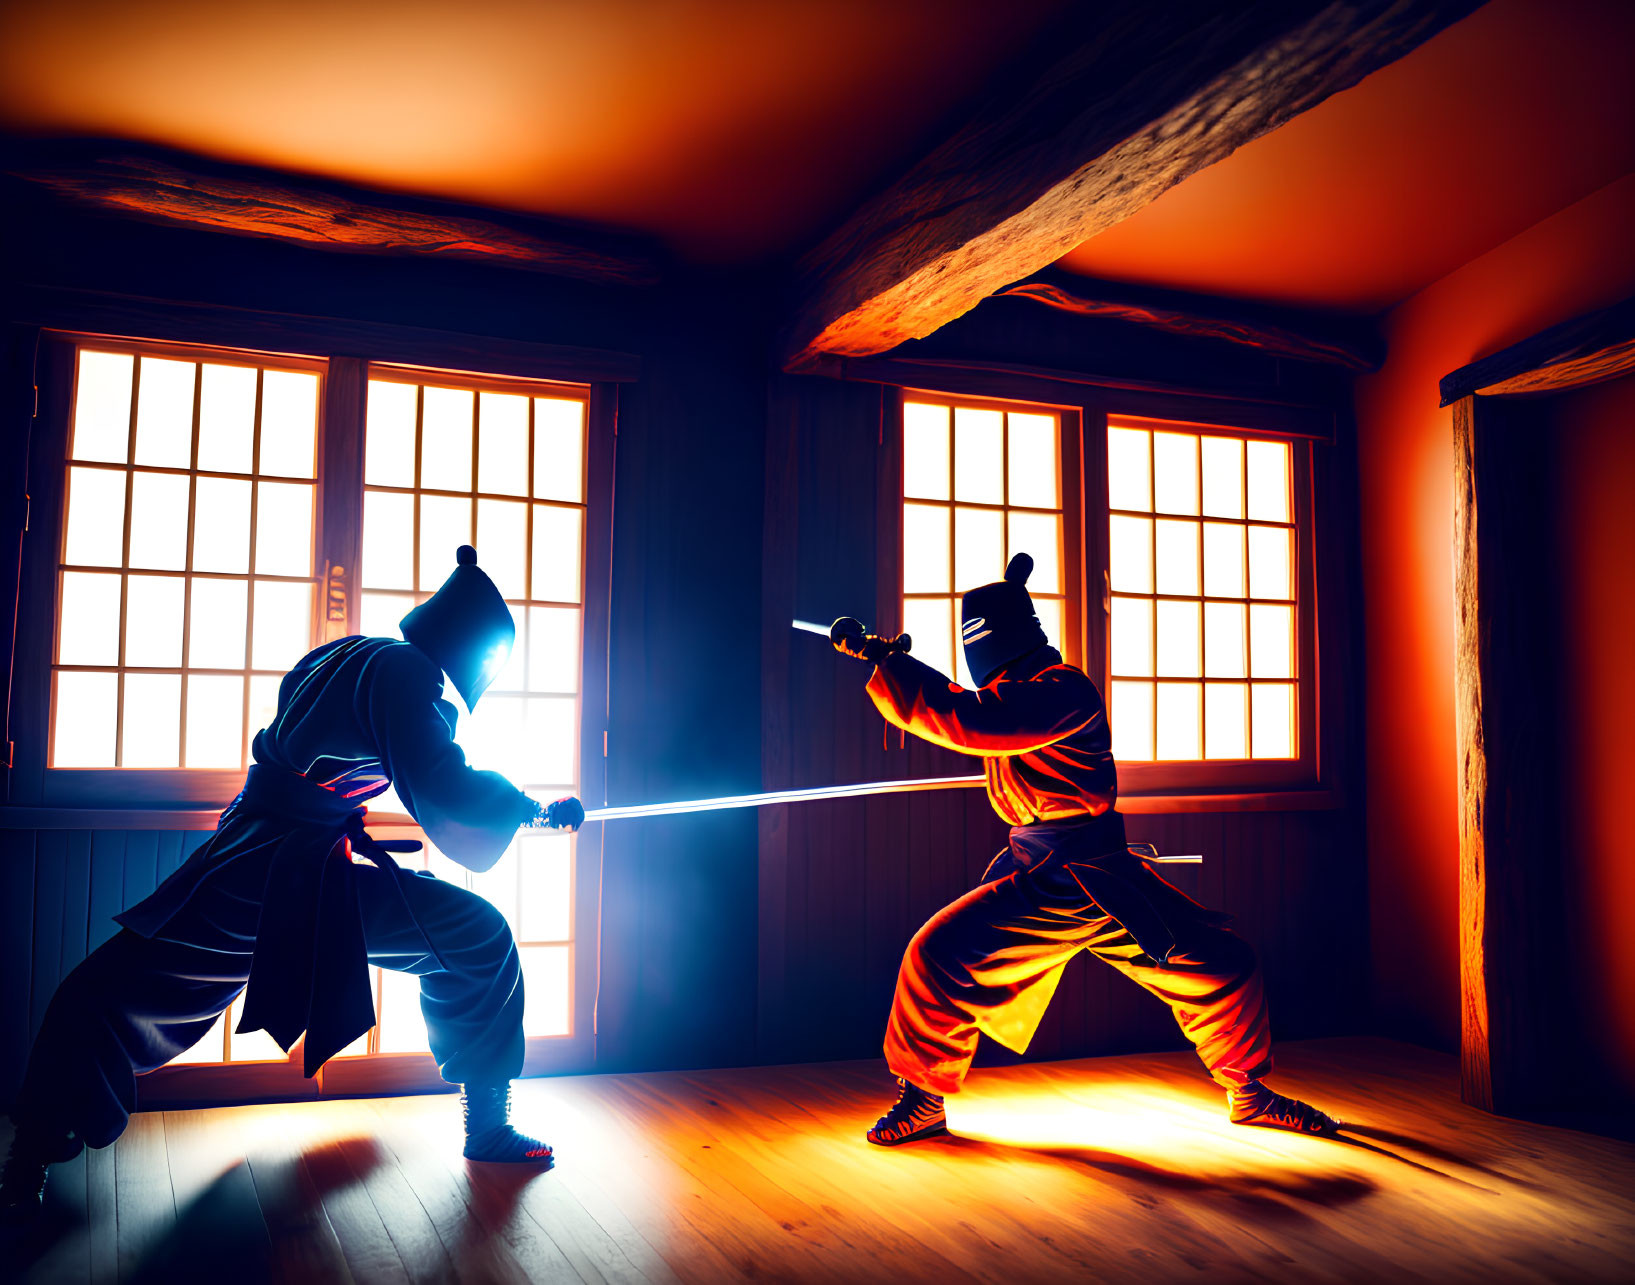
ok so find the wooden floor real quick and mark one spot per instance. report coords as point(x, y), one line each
point(1116, 1169)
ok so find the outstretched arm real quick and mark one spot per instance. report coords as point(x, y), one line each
point(1003, 718)
point(470, 815)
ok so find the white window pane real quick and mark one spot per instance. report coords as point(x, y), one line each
point(925, 451)
point(1180, 731)
point(102, 406)
point(1130, 719)
point(226, 418)
point(283, 624)
point(283, 528)
point(88, 623)
point(498, 886)
point(164, 413)
point(1224, 641)
point(1129, 469)
point(1130, 554)
point(215, 720)
point(263, 704)
point(502, 443)
point(556, 557)
point(1039, 536)
point(979, 455)
point(159, 503)
point(207, 1049)
point(1270, 562)
point(445, 524)
point(546, 912)
point(1223, 560)
point(153, 721)
point(1226, 721)
point(402, 1025)
point(1271, 641)
point(930, 623)
point(96, 518)
point(493, 736)
point(1175, 472)
point(85, 714)
point(1131, 628)
point(553, 649)
point(1272, 708)
point(445, 439)
point(289, 422)
point(1051, 612)
point(388, 440)
point(559, 449)
point(1268, 465)
point(1031, 440)
point(221, 524)
point(979, 547)
point(1179, 642)
point(216, 624)
point(388, 540)
point(153, 621)
point(551, 740)
point(252, 1046)
point(1177, 556)
point(1223, 477)
point(926, 537)
point(545, 979)
point(378, 613)
point(502, 545)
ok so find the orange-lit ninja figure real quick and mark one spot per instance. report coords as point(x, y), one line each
point(1068, 881)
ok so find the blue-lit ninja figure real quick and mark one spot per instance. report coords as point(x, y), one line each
point(273, 904)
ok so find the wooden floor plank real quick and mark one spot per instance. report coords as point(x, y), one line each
point(143, 1199)
point(1115, 1169)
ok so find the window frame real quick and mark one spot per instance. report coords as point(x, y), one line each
point(183, 798)
point(1226, 776)
point(1212, 785)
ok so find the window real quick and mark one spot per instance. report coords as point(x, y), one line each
point(503, 468)
point(201, 509)
point(186, 571)
point(981, 483)
point(1203, 638)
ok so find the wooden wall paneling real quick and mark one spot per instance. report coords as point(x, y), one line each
point(50, 877)
point(106, 896)
point(141, 866)
point(17, 899)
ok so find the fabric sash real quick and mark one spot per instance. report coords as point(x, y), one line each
point(1109, 869)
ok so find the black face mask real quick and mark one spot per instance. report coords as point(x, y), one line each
point(998, 624)
point(465, 627)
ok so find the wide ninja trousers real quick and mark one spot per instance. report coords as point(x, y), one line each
point(136, 1002)
point(989, 964)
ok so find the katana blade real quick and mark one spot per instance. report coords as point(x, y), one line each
point(809, 627)
point(726, 803)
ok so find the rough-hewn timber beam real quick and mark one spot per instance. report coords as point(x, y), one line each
point(286, 209)
point(1148, 96)
point(1300, 340)
point(1586, 350)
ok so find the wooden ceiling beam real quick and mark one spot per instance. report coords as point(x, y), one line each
point(1148, 95)
point(286, 208)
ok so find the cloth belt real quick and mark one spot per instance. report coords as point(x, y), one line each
point(1098, 856)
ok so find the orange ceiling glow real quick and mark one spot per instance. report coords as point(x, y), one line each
point(734, 130)
point(1498, 122)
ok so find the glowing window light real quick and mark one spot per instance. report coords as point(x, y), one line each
point(980, 484)
point(441, 465)
point(1201, 536)
point(172, 515)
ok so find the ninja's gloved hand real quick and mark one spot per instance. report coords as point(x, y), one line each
point(851, 639)
point(564, 814)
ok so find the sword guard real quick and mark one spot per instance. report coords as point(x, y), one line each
point(851, 638)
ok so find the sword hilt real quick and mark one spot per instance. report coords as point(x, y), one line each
point(849, 629)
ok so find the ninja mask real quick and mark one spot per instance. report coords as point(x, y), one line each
point(465, 627)
point(997, 623)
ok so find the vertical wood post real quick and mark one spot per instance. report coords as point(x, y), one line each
point(1512, 934)
point(341, 488)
